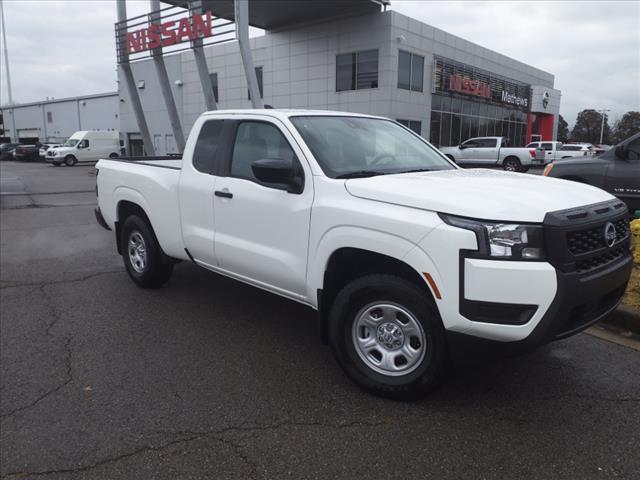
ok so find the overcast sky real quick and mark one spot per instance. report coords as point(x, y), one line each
point(66, 48)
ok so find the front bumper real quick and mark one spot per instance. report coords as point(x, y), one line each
point(580, 301)
point(539, 302)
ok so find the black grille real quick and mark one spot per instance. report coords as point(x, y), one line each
point(597, 261)
point(588, 240)
point(575, 238)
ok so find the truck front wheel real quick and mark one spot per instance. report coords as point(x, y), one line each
point(388, 337)
point(142, 254)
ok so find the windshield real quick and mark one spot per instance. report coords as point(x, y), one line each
point(358, 146)
point(72, 142)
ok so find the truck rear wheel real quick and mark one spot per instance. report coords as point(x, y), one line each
point(388, 337)
point(511, 164)
point(142, 254)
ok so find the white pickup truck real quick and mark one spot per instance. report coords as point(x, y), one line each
point(491, 152)
point(407, 258)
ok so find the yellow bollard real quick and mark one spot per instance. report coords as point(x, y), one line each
point(635, 239)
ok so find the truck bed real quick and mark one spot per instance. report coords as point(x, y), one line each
point(152, 184)
point(168, 161)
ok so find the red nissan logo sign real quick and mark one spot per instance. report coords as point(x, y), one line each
point(170, 33)
point(465, 85)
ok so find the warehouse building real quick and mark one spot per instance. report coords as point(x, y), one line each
point(361, 57)
point(55, 120)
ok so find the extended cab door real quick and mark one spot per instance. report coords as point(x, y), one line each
point(262, 231)
point(197, 187)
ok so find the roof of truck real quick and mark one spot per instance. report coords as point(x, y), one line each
point(286, 112)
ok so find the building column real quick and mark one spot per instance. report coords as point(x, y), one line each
point(201, 65)
point(165, 83)
point(123, 59)
point(242, 34)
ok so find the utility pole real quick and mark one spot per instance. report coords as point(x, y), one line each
point(6, 55)
point(603, 112)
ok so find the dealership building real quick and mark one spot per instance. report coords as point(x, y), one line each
point(352, 55)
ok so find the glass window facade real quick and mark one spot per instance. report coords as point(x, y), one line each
point(214, 85)
point(469, 102)
point(410, 71)
point(258, 76)
point(356, 71)
point(414, 125)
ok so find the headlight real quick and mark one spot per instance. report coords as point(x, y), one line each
point(503, 241)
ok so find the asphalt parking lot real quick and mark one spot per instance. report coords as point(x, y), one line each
point(209, 378)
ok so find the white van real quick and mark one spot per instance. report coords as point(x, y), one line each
point(86, 146)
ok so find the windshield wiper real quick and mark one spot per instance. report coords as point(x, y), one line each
point(416, 170)
point(360, 174)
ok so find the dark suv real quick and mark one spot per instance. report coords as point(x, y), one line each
point(6, 150)
point(617, 171)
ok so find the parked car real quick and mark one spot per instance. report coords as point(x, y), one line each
point(617, 171)
point(363, 220)
point(86, 146)
point(546, 151)
point(6, 150)
point(576, 150)
point(45, 147)
point(490, 152)
point(599, 149)
point(27, 153)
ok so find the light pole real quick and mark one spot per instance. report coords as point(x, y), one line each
point(603, 112)
point(6, 55)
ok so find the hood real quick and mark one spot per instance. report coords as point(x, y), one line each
point(478, 193)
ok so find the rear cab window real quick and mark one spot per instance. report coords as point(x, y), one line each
point(206, 152)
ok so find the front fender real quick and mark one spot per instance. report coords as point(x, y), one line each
point(353, 237)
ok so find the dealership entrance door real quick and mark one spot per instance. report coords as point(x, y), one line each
point(135, 145)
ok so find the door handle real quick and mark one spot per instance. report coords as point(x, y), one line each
point(223, 194)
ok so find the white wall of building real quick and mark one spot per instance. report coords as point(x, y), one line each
point(56, 120)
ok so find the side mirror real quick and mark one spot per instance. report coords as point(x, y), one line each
point(462, 146)
point(621, 152)
point(278, 171)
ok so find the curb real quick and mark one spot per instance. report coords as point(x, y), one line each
point(626, 318)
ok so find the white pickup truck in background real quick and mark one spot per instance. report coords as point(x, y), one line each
point(491, 152)
point(407, 258)
point(547, 151)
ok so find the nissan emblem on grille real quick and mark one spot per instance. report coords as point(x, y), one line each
point(610, 234)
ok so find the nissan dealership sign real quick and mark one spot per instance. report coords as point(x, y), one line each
point(170, 33)
point(514, 99)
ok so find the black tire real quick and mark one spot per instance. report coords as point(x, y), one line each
point(511, 164)
point(70, 160)
point(428, 372)
point(524, 169)
point(57, 164)
point(155, 272)
point(113, 155)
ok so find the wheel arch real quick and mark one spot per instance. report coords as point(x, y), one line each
point(125, 209)
point(348, 263)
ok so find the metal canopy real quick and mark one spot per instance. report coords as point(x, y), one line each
point(274, 14)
